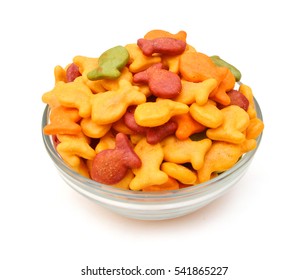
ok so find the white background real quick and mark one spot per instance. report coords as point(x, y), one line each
point(259, 229)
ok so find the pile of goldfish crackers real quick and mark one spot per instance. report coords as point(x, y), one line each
point(153, 115)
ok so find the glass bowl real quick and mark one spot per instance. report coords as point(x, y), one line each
point(151, 205)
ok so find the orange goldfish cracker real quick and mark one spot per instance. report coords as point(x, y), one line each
point(196, 92)
point(248, 145)
point(92, 129)
point(74, 147)
point(170, 185)
point(157, 113)
point(235, 121)
point(221, 157)
point(138, 61)
point(124, 183)
point(187, 126)
point(182, 151)
point(197, 67)
point(113, 84)
point(220, 93)
point(208, 115)
point(63, 121)
point(246, 90)
point(149, 173)
point(254, 128)
point(179, 172)
point(110, 106)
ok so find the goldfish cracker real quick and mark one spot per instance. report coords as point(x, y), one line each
point(149, 173)
point(158, 33)
point(186, 126)
point(113, 84)
point(197, 67)
point(60, 74)
point(111, 166)
point(219, 158)
point(138, 61)
point(254, 128)
point(222, 63)
point(110, 64)
point(179, 172)
point(235, 122)
point(74, 148)
point(196, 92)
point(185, 151)
point(170, 185)
point(105, 142)
point(161, 45)
point(92, 129)
point(72, 72)
point(157, 113)
point(208, 115)
point(220, 93)
point(86, 64)
point(74, 95)
point(63, 120)
point(247, 91)
point(110, 106)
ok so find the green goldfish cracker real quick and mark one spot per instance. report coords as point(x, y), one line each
point(221, 63)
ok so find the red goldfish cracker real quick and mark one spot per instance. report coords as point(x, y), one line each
point(254, 128)
point(179, 172)
point(220, 93)
point(111, 166)
point(63, 121)
point(235, 122)
point(72, 72)
point(196, 92)
point(157, 33)
point(246, 90)
point(187, 126)
point(183, 151)
point(170, 185)
point(149, 173)
point(157, 113)
point(197, 67)
point(138, 61)
point(221, 157)
point(92, 129)
point(162, 45)
point(74, 148)
point(85, 65)
point(108, 107)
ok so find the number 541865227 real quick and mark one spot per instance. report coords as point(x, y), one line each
point(204, 270)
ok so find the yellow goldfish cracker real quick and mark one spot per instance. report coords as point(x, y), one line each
point(60, 74)
point(149, 173)
point(74, 95)
point(106, 142)
point(254, 128)
point(92, 129)
point(196, 92)
point(85, 65)
point(157, 113)
point(221, 157)
point(74, 147)
point(208, 115)
point(246, 90)
point(138, 61)
point(179, 172)
point(114, 83)
point(170, 185)
point(182, 151)
point(248, 145)
point(235, 121)
point(124, 183)
point(108, 107)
